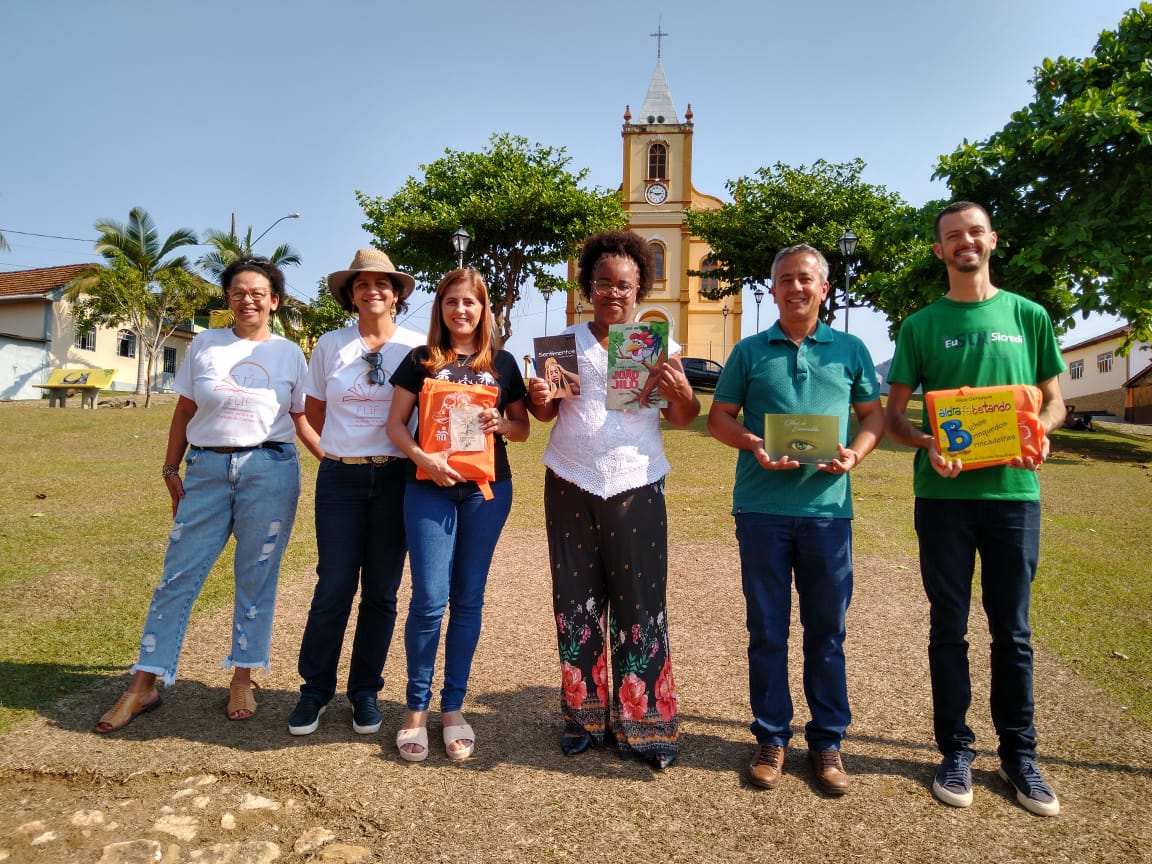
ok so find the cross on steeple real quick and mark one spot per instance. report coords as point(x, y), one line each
point(659, 36)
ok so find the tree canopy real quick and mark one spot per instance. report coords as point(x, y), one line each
point(525, 210)
point(143, 288)
point(1067, 182)
point(781, 206)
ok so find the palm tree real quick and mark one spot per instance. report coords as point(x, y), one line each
point(4, 247)
point(134, 250)
point(227, 248)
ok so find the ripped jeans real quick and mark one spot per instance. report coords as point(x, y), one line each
point(251, 495)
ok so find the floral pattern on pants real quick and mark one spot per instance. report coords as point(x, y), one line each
point(609, 579)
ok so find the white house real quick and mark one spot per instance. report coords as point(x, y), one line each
point(1096, 374)
point(38, 334)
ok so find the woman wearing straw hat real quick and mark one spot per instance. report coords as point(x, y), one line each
point(359, 491)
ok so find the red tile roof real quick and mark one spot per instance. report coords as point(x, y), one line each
point(40, 281)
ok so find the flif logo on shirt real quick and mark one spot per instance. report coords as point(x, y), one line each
point(980, 339)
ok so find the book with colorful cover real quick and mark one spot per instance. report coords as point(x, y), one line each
point(556, 362)
point(984, 426)
point(636, 355)
point(808, 438)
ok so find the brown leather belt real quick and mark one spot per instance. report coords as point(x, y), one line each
point(364, 460)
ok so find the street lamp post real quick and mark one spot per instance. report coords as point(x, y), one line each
point(758, 295)
point(266, 230)
point(460, 241)
point(546, 293)
point(724, 334)
point(579, 310)
point(847, 243)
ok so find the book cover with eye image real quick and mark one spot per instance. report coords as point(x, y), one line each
point(807, 438)
point(556, 363)
point(636, 354)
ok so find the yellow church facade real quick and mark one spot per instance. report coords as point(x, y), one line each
point(657, 189)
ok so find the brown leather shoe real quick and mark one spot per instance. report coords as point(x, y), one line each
point(830, 774)
point(767, 765)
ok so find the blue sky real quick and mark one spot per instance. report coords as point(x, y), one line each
point(198, 110)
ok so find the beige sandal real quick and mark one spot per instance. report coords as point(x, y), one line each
point(127, 708)
point(241, 698)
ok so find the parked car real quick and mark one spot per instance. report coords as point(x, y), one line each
point(701, 372)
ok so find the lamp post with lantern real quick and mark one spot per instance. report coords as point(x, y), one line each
point(758, 295)
point(460, 241)
point(847, 243)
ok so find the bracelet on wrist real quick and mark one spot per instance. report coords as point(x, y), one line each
point(170, 471)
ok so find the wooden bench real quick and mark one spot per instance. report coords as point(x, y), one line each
point(89, 383)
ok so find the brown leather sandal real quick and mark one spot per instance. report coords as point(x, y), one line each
point(127, 708)
point(241, 699)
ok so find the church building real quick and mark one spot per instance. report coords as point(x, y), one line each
point(657, 189)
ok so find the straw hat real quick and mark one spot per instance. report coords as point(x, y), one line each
point(368, 261)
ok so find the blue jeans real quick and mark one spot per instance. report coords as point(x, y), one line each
point(251, 495)
point(452, 534)
point(1007, 536)
point(360, 540)
point(819, 553)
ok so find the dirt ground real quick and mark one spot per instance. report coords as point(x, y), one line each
point(184, 784)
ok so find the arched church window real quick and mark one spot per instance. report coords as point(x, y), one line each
point(708, 283)
point(657, 260)
point(657, 161)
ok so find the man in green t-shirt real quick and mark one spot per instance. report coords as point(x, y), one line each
point(976, 336)
point(793, 519)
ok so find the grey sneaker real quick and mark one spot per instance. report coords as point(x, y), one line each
point(953, 781)
point(1031, 790)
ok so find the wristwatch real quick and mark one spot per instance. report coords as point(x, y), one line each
point(170, 471)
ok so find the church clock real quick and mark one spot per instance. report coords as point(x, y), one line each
point(656, 193)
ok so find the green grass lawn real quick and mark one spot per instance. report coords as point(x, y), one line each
point(84, 519)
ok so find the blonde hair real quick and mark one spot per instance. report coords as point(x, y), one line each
point(440, 350)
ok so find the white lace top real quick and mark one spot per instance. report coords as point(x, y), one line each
point(604, 452)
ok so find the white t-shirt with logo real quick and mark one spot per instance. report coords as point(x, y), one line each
point(356, 408)
point(243, 390)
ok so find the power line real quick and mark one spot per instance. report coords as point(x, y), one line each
point(49, 236)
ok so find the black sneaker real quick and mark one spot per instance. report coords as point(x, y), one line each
point(953, 781)
point(1031, 790)
point(305, 718)
point(366, 717)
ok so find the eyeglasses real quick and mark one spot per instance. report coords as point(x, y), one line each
point(376, 373)
point(241, 296)
point(604, 288)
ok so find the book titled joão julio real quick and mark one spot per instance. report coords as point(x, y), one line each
point(808, 438)
point(556, 362)
point(636, 355)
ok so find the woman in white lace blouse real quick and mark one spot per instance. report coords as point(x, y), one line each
point(607, 525)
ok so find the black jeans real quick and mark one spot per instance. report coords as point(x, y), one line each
point(1007, 536)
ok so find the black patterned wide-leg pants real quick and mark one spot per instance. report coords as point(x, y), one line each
point(609, 560)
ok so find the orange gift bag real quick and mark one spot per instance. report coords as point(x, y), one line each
point(449, 422)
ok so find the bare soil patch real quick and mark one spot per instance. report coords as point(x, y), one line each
point(519, 799)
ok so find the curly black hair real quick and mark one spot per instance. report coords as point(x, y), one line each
point(257, 265)
point(626, 244)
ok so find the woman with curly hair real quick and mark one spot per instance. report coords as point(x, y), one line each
point(607, 525)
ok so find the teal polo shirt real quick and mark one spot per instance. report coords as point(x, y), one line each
point(768, 373)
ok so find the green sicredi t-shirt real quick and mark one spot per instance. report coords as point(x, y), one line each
point(1006, 339)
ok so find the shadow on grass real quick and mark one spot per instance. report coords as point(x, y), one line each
point(31, 686)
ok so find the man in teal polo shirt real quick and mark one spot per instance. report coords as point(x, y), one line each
point(794, 518)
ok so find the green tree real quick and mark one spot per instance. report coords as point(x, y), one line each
point(1067, 180)
point(4, 247)
point(142, 288)
point(320, 316)
point(781, 206)
point(526, 212)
